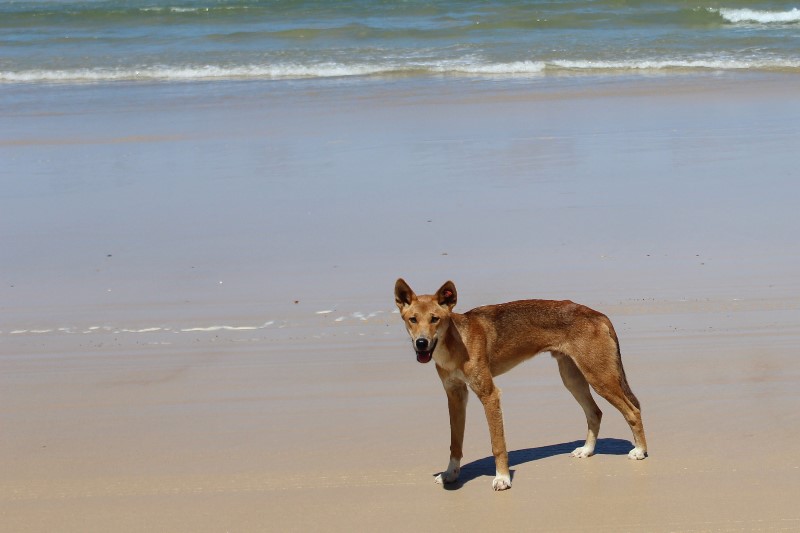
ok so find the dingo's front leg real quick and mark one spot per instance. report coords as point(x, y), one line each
point(490, 397)
point(457, 395)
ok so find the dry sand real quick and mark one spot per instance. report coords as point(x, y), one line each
point(197, 328)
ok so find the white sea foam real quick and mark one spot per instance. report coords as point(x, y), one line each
point(762, 17)
point(474, 67)
point(693, 64)
point(516, 67)
point(157, 9)
point(188, 9)
point(356, 316)
point(100, 329)
point(228, 328)
point(41, 331)
point(203, 72)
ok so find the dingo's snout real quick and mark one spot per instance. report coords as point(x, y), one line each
point(424, 349)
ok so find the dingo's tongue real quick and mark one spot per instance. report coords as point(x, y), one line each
point(424, 357)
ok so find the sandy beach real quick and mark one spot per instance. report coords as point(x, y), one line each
point(197, 327)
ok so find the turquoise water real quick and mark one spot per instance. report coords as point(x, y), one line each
point(107, 40)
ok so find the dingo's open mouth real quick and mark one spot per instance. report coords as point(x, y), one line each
point(425, 356)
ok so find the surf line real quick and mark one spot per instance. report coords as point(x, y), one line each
point(228, 328)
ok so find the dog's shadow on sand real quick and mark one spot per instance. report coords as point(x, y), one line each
point(485, 466)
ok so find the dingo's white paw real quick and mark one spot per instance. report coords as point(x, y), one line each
point(583, 452)
point(451, 474)
point(637, 453)
point(447, 477)
point(501, 482)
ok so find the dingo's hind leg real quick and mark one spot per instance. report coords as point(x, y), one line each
point(576, 384)
point(601, 365)
point(633, 417)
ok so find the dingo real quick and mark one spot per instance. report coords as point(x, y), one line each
point(472, 348)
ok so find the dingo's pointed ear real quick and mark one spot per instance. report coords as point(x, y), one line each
point(447, 296)
point(403, 295)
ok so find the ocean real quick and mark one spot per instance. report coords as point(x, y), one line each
point(91, 41)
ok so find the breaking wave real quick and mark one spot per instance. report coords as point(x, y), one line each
point(761, 17)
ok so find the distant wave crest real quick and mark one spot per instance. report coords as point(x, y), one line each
point(761, 17)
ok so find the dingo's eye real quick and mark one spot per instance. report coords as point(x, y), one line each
point(413, 320)
point(434, 319)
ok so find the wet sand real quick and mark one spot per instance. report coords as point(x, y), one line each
point(197, 328)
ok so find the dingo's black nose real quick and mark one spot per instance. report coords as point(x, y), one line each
point(421, 344)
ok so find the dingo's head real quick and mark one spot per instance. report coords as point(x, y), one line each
point(427, 317)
